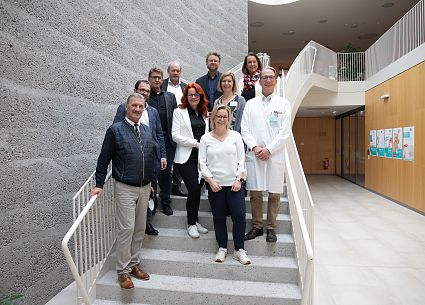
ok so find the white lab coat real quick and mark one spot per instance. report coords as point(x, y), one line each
point(266, 122)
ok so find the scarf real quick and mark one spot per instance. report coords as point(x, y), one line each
point(249, 81)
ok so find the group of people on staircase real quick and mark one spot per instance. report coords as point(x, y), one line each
point(204, 132)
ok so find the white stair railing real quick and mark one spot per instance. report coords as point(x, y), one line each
point(404, 36)
point(93, 233)
point(351, 66)
point(294, 87)
point(302, 218)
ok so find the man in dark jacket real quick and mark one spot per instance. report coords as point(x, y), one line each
point(174, 84)
point(132, 150)
point(164, 103)
point(150, 117)
point(209, 81)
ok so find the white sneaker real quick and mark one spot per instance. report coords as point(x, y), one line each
point(241, 256)
point(201, 229)
point(221, 255)
point(193, 231)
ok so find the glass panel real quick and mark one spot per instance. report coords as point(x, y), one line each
point(353, 146)
point(338, 171)
point(346, 147)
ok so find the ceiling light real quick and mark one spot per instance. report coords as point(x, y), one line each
point(334, 112)
point(288, 33)
point(256, 24)
point(274, 2)
point(388, 4)
point(323, 21)
point(354, 25)
point(367, 36)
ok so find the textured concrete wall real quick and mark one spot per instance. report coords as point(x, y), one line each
point(65, 65)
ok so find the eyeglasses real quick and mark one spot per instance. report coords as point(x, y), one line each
point(194, 95)
point(143, 90)
point(222, 117)
point(268, 77)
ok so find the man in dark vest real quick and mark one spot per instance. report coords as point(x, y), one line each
point(131, 148)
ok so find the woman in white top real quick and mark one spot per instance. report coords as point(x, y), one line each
point(227, 85)
point(222, 165)
point(190, 123)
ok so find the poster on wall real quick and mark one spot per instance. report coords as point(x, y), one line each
point(380, 142)
point(409, 143)
point(397, 143)
point(388, 139)
point(372, 142)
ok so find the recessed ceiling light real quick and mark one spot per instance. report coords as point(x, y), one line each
point(388, 4)
point(318, 108)
point(288, 33)
point(323, 21)
point(354, 25)
point(256, 24)
point(253, 41)
point(367, 36)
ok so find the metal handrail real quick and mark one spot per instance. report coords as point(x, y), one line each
point(67, 253)
point(94, 236)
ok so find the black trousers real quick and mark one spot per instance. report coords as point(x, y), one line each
point(189, 173)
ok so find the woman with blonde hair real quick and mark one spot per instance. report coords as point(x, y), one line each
point(222, 166)
point(236, 103)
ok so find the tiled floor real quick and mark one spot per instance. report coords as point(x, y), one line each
point(368, 250)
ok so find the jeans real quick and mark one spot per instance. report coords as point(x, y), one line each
point(221, 202)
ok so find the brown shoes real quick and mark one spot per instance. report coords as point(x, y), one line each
point(139, 273)
point(125, 281)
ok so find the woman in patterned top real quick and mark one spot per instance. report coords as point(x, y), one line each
point(249, 85)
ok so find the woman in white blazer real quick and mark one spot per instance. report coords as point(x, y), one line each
point(190, 123)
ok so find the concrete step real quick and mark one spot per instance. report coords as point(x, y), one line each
point(179, 220)
point(202, 265)
point(179, 240)
point(179, 203)
point(167, 289)
point(110, 302)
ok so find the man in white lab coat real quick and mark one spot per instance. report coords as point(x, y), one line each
point(266, 124)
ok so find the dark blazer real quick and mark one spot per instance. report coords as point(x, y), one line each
point(202, 81)
point(170, 105)
point(154, 125)
point(165, 84)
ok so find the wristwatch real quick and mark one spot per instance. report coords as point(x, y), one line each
point(241, 180)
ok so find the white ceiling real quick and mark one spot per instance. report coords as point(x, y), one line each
point(346, 21)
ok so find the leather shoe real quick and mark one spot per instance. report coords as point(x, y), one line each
point(167, 210)
point(125, 281)
point(254, 233)
point(271, 236)
point(178, 192)
point(139, 273)
point(150, 230)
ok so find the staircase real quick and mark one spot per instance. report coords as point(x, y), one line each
point(183, 271)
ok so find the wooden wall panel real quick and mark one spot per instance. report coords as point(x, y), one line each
point(315, 139)
point(398, 179)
